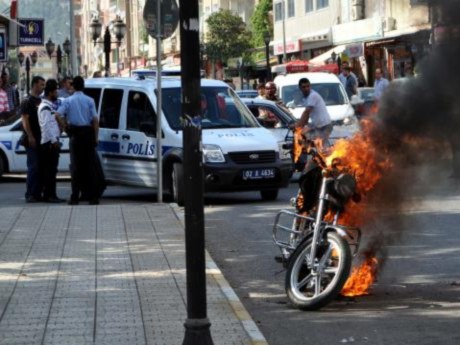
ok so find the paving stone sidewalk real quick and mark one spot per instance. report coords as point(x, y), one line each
point(108, 274)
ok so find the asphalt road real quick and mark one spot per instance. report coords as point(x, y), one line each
point(416, 299)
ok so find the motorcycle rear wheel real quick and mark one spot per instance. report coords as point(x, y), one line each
point(307, 291)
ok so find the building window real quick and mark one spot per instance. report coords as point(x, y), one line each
point(321, 4)
point(278, 11)
point(308, 6)
point(291, 8)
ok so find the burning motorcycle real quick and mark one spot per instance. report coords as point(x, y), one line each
point(315, 249)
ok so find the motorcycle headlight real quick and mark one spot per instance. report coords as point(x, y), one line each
point(345, 186)
point(213, 154)
point(284, 153)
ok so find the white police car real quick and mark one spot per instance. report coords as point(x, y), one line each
point(13, 156)
point(239, 154)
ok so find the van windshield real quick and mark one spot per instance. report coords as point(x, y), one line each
point(220, 107)
point(332, 93)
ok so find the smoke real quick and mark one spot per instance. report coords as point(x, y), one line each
point(416, 128)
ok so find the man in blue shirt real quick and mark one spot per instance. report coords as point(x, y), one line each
point(380, 84)
point(82, 126)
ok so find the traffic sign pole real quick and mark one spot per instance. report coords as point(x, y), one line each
point(159, 101)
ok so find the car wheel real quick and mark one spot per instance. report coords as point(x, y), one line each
point(269, 195)
point(2, 164)
point(177, 183)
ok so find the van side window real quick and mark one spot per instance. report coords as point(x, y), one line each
point(110, 109)
point(140, 117)
point(94, 93)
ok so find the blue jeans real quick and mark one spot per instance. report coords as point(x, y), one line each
point(33, 182)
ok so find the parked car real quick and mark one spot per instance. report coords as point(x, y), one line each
point(363, 101)
point(247, 93)
point(285, 117)
point(13, 157)
point(271, 116)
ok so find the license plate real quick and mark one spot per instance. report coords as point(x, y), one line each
point(257, 174)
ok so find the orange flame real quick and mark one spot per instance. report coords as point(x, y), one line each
point(361, 278)
point(298, 143)
point(360, 158)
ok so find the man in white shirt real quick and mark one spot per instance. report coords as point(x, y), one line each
point(315, 109)
point(380, 84)
point(49, 145)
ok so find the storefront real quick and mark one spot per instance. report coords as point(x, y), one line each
point(397, 56)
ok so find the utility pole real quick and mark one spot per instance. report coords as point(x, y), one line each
point(197, 325)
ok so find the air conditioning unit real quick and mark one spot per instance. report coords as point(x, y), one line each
point(357, 12)
point(389, 24)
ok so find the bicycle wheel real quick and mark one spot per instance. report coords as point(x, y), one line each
point(308, 291)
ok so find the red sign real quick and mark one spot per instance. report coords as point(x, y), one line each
point(291, 47)
point(296, 66)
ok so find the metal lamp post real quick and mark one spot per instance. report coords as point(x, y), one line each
point(119, 29)
point(335, 58)
point(267, 39)
point(32, 59)
point(173, 44)
point(67, 46)
point(50, 46)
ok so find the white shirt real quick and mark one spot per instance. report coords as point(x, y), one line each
point(48, 124)
point(319, 115)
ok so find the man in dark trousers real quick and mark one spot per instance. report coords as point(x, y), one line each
point(82, 125)
point(50, 147)
point(29, 114)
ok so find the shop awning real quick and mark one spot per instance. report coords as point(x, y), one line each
point(323, 58)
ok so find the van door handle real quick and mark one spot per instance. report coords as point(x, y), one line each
point(125, 137)
point(114, 136)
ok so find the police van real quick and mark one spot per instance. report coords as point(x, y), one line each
point(238, 153)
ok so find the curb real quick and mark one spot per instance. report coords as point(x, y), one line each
point(257, 338)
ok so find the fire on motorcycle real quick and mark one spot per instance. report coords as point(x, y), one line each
point(316, 250)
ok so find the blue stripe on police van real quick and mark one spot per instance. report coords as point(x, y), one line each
point(7, 144)
point(108, 146)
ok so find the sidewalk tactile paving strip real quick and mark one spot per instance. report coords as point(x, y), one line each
point(99, 275)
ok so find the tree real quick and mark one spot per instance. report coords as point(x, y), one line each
point(261, 22)
point(227, 36)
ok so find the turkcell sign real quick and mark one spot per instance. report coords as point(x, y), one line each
point(31, 32)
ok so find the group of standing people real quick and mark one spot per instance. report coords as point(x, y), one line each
point(46, 112)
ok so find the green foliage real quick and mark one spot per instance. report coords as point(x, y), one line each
point(227, 37)
point(261, 22)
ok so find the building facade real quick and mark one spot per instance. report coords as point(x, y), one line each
point(388, 34)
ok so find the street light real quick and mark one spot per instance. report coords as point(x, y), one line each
point(119, 30)
point(50, 46)
point(173, 44)
point(333, 56)
point(67, 46)
point(32, 58)
point(267, 54)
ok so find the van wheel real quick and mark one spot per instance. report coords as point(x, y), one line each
point(177, 183)
point(269, 195)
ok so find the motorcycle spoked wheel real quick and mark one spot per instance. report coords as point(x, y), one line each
point(311, 292)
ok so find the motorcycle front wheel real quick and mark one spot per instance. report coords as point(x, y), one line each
point(311, 291)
